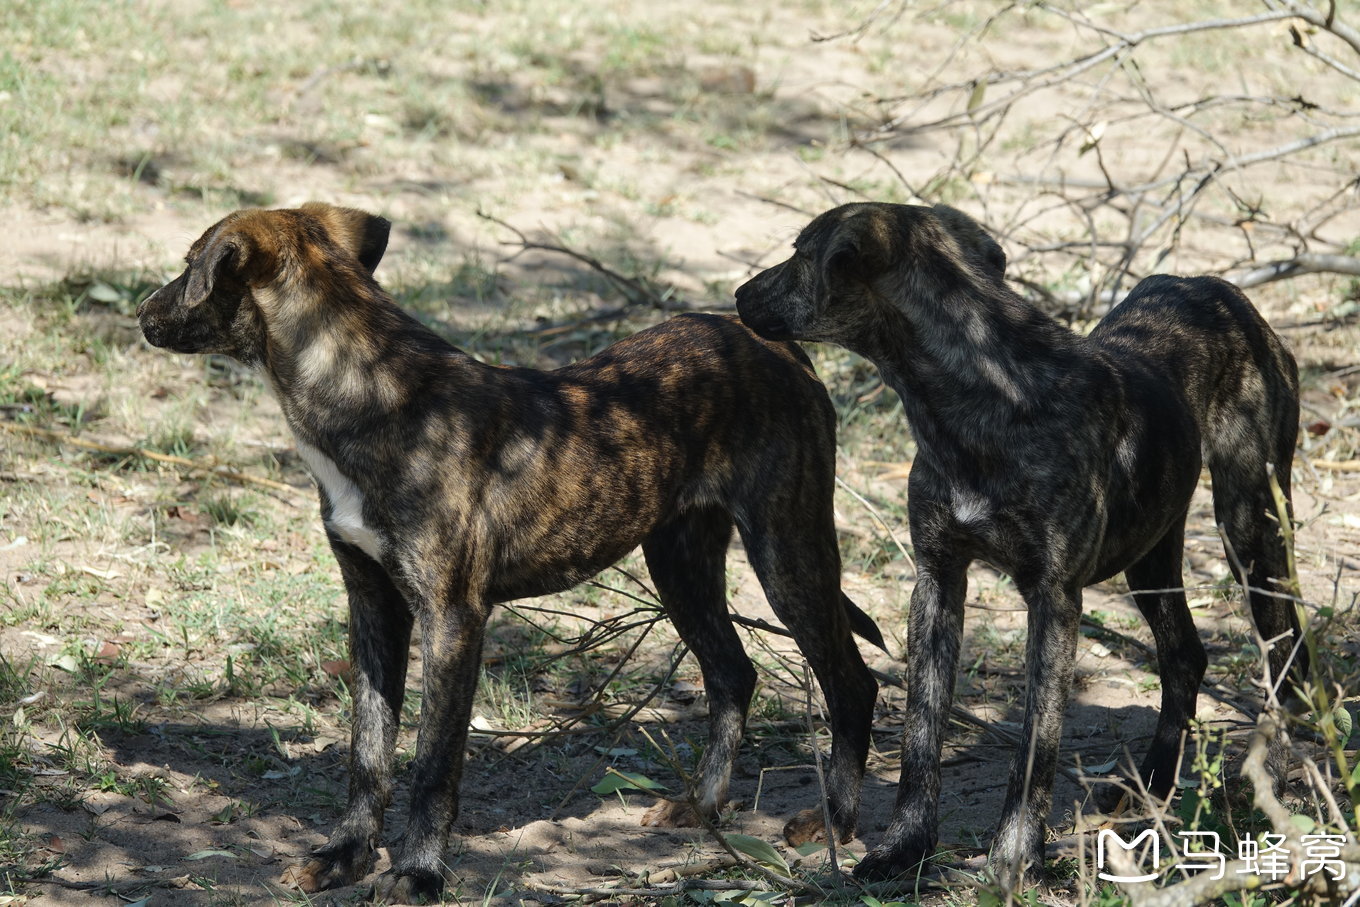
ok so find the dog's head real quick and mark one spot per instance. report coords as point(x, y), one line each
point(852, 261)
point(235, 271)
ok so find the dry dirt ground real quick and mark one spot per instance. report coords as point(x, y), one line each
point(173, 679)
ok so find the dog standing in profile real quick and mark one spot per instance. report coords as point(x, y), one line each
point(1061, 460)
point(448, 485)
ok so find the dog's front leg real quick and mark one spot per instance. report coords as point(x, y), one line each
point(452, 629)
point(1050, 652)
point(379, 643)
point(933, 636)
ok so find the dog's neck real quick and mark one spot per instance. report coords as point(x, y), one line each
point(351, 356)
point(971, 366)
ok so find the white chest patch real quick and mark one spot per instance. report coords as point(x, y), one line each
point(347, 502)
point(969, 507)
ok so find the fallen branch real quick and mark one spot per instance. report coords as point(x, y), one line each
point(207, 465)
point(652, 893)
point(1283, 269)
point(1306, 263)
point(1337, 465)
point(637, 292)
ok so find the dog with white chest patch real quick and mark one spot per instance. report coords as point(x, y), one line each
point(1060, 459)
point(448, 485)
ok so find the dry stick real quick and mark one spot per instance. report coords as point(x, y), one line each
point(1068, 70)
point(585, 643)
point(957, 712)
point(621, 724)
point(821, 776)
point(569, 725)
point(1204, 173)
point(878, 519)
point(635, 291)
point(778, 878)
point(1327, 22)
point(600, 632)
point(658, 891)
point(205, 466)
point(1337, 465)
point(1322, 787)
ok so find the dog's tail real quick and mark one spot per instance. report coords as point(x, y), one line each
point(862, 625)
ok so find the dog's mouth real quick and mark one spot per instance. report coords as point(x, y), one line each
point(163, 337)
point(766, 325)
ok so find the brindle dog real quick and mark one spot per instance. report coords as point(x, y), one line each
point(448, 485)
point(1059, 459)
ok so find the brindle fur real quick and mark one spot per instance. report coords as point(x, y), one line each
point(1060, 459)
point(449, 485)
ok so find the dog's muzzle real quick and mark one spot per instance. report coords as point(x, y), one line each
point(758, 317)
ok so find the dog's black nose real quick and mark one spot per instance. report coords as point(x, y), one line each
point(141, 306)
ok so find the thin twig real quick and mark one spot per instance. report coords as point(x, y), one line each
point(207, 465)
point(634, 290)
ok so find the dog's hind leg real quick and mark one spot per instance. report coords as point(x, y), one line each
point(1245, 509)
point(1156, 581)
point(686, 559)
point(379, 643)
point(799, 568)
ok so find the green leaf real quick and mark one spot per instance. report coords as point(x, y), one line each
point(809, 847)
point(1344, 723)
point(761, 851)
point(1303, 823)
point(975, 98)
point(68, 663)
point(988, 898)
point(102, 292)
point(1092, 139)
point(615, 781)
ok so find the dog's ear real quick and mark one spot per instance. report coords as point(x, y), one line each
point(216, 257)
point(863, 245)
point(228, 252)
point(977, 245)
point(359, 233)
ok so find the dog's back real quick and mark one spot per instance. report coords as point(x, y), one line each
point(1194, 330)
point(1203, 337)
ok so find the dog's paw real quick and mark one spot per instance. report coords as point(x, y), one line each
point(809, 826)
point(418, 886)
point(671, 814)
point(883, 864)
point(317, 875)
point(330, 867)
